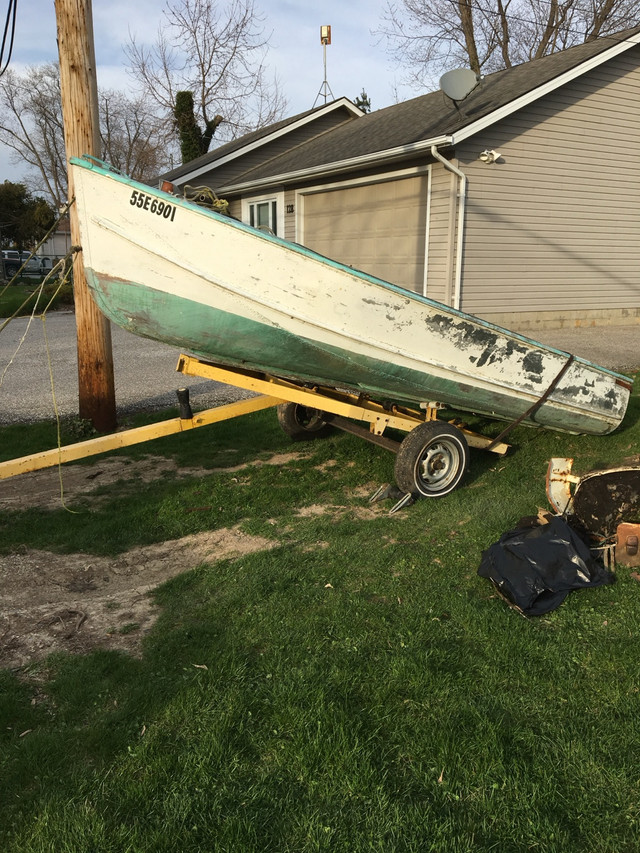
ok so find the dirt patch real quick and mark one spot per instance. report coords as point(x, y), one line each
point(78, 602)
point(362, 513)
point(317, 509)
point(326, 466)
point(368, 512)
point(276, 459)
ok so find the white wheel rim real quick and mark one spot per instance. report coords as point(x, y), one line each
point(438, 465)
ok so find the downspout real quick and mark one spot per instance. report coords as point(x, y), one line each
point(462, 196)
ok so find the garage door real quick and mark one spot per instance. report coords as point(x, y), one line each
point(378, 228)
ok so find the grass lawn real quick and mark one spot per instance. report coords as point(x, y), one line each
point(22, 296)
point(357, 687)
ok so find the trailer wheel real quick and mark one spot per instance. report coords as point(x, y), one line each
point(302, 423)
point(432, 460)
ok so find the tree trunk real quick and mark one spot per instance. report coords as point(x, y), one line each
point(82, 136)
point(466, 22)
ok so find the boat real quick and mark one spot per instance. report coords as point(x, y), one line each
point(165, 268)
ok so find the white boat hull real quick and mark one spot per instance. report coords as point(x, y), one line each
point(167, 269)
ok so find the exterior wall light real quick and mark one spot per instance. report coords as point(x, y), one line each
point(489, 156)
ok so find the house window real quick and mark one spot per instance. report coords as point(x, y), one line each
point(265, 212)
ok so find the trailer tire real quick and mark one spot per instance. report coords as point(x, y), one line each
point(432, 460)
point(302, 423)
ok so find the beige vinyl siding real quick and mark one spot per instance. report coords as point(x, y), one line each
point(290, 218)
point(379, 228)
point(554, 226)
point(235, 208)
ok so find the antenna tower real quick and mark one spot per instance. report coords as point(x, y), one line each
point(325, 89)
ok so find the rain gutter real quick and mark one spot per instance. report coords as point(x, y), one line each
point(462, 198)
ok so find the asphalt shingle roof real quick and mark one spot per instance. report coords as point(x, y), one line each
point(235, 145)
point(427, 116)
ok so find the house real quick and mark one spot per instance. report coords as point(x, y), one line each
point(520, 203)
point(58, 244)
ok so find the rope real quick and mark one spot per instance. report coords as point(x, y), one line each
point(37, 293)
point(62, 266)
point(205, 197)
point(55, 406)
point(22, 339)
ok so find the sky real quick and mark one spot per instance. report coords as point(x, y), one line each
point(355, 60)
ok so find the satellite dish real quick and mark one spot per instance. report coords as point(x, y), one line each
point(459, 83)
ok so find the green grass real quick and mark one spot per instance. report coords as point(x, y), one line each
point(21, 297)
point(364, 690)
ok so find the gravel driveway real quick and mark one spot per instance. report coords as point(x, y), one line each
point(145, 372)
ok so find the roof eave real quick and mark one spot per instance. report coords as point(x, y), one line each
point(378, 157)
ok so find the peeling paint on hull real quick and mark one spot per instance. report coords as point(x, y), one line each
point(228, 293)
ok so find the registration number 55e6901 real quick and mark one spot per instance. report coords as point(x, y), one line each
point(153, 205)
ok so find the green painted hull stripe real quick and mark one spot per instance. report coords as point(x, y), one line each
point(240, 342)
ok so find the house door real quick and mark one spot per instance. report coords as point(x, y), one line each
point(378, 228)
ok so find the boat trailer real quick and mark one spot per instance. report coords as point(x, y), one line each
point(430, 461)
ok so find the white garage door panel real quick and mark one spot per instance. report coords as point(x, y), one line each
point(378, 228)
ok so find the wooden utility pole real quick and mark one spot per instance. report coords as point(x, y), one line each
point(79, 91)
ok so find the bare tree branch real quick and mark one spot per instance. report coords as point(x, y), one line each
point(31, 125)
point(428, 37)
point(217, 51)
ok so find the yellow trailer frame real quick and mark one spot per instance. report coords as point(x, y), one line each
point(341, 404)
point(342, 408)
